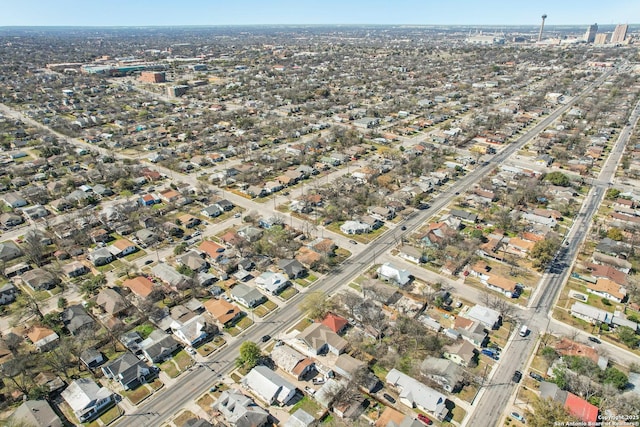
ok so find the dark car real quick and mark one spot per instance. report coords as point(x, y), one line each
point(594, 340)
point(425, 419)
point(265, 338)
point(353, 242)
point(404, 227)
point(389, 398)
point(147, 262)
point(536, 376)
point(517, 376)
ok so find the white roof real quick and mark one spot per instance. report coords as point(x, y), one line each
point(83, 392)
point(484, 315)
point(267, 384)
point(414, 391)
point(402, 277)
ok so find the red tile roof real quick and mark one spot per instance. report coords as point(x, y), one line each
point(334, 322)
point(581, 409)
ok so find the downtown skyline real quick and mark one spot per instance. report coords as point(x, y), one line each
point(330, 12)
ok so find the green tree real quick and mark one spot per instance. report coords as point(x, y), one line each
point(547, 412)
point(615, 377)
point(558, 178)
point(180, 249)
point(250, 354)
point(612, 193)
point(628, 336)
point(543, 252)
point(615, 234)
point(316, 305)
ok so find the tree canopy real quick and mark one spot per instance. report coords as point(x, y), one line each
point(558, 178)
point(249, 356)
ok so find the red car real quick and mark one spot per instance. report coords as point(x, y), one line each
point(425, 419)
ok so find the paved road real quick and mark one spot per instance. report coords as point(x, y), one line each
point(498, 392)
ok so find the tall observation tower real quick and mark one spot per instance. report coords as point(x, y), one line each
point(544, 16)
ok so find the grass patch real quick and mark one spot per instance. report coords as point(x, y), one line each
point(183, 360)
point(205, 402)
point(144, 330)
point(156, 384)
point(379, 371)
point(137, 395)
point(244, 323)
point(111, 415)
point(467, 393)
point(211, 346)
point(235, 377)
point(232, 330)
point(301, 325)
point(137, 254)
point(288, 293)
point(170, 368)
point(306, 404)
point(355, 286)
point(182, 419)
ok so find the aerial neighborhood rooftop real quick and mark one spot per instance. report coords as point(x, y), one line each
point(299, 227)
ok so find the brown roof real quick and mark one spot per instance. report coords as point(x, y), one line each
point(566, 347)
point(308, 257)
point(222, 310)
point(211, 248)
point(598, 270)
point(608, 286)
point(122, 244)
point(139, 285)
point(462, 322)
point(36, 333)
point(390, 415)
point(502, 283)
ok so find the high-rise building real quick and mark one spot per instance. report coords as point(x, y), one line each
point(541, 27)
point(601, 38)
point(619, 34)
point(590, 35)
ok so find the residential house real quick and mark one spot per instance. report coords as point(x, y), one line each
point(390, 273)
point(318, 339)
point(488, 317)
point(159, 346)
point(247, 296)
point(75, 269)
point(301, 418)
point(590, 314)
point(86, 399)
point(271, 282)
point(39, 279)
point(212, 249)
point(269, 386)
point(44, 339)
point(8, 293)
point(92, 358)
point(292, 362)
point(140, 286)
point(128, 370)
point(169, 196)
point(35, 413)
point(196, 330)
point(212, 211)
point(393, 418)
point(122, 247)
point(146, 237)
point(577, 407)
point(415, 394)
point(336, 323)
point(76, 319)
point(14, 200)
point(101, 256)
point(537, 219)
point(411, 253)
point(189, 220)
point(170, 276)
point(347, 366)
point(194, 261)
point(355, 227)
point(607, 288)
point(240, 410)
point(292, 268)
point(444, 372)
point(506, 287)
point(471, 330)
point(464, 216)
point(111, 301)
point(9, 250)
point(225, 205)
point(9, 219)
point(224, 312)
point(461, 353)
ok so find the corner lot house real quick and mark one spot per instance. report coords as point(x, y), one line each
point(488, 317)
point(414, 394)
point(269, 386)
point(390, 273)
point(87, 399)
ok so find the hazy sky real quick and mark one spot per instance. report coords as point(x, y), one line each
point(245, 12)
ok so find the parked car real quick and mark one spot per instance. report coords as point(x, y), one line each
point(147, 262)
point(191, 351)
point(389, 398)
point(265, 338)
point(318, 381)
point(518, 417)
point(517, 376)
point(594, 340)
point(536, 376)
point(237, 215)
point(353, 242)
point(404, 227)
point(425, 419)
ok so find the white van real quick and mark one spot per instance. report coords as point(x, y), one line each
point(524, 331)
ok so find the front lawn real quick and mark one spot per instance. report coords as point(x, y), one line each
point(137, 395)
point(170, 368)
point(183, 360)
point(288, 293)
point(182, 419)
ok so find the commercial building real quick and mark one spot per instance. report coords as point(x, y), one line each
point(153, 77)
point(601, 38)
point(590, 35)
point(619, 34)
